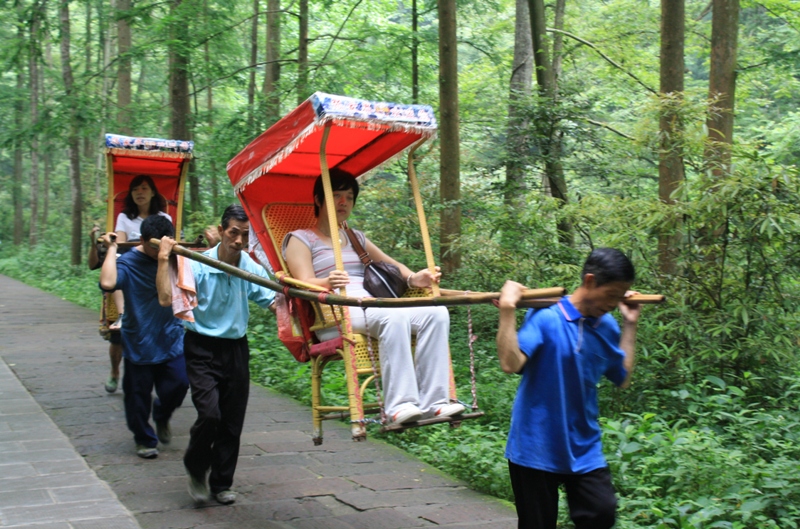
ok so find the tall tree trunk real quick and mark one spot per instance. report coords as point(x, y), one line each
point(548, 130)
point(722, 84)
point(124, 67)
point(215, 209)
point(19, 110)
point(558, 42)
point(87, 39)
point(48, 169)
point(87, 134)
point(414, 52)
point(449, 165)
point(302, 53)
point(179, 91)
point(73, 144)
point(33, 72)
point(47, 151)
point(251, 86)
point(273, 67)
point(137, 98)
point(108, 34)
point(519, 90)
point(670, 163)
point(722, 93)
point(541, 52)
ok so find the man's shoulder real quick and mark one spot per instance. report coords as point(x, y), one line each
point(249, 264)
point(134, 257)
point(546, 316)
point(608, 323)
point(129, 258)
point(199, 268)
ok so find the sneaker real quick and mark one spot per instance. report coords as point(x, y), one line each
point(448, 410)
point(145, 452)
point(112, 384)
point(198, 488)
point(226, 497)
point(407, 414)
point(117, 325)
point(163, 432)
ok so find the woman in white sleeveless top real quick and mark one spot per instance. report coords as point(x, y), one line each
point(414, 387)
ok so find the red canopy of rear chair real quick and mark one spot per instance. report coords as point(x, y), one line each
point(165, 161)
point(282, 164)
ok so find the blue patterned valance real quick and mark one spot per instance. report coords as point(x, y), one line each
point(335, 106)
point(116, 141)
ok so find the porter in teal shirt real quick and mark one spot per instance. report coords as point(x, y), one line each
point(222, 310)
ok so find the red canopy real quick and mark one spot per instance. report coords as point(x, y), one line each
point(164, 161)
point(282, 164)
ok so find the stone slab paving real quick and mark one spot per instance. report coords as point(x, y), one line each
point(44, 482)
point(56, 480)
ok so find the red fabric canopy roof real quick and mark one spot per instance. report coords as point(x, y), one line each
point(282, 164)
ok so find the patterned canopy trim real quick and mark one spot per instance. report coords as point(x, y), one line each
point(421, 116)
point(348, 112)
point(117, 141)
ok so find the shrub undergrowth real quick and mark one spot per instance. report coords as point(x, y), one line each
point(708, 435)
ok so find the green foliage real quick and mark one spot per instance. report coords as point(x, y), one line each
point(48, 268)
point(708, 434)
point(724, 462)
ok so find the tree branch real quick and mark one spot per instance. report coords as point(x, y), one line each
point(604, 56)
point(341, 28)
point(609, 127)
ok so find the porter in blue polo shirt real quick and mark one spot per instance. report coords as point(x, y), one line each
point(556, 405)
point(562, 353)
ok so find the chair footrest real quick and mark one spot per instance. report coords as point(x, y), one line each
point(433, 420)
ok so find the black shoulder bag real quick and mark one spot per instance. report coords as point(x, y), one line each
point(382, 280)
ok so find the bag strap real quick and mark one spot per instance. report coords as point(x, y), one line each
point(362, 253)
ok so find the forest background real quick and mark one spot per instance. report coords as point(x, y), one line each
point(669, 130)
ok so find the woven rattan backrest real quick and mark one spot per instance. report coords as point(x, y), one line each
point(282, 217)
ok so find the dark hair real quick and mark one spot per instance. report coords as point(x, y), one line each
point(608, 265)
point(235, 212)
point(340, 181)
point(157, 203)
point(155, 227)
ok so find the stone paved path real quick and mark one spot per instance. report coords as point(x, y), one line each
point(67, 459)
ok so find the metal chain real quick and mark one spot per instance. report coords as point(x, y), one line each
point(365, 421)
point(471, 338)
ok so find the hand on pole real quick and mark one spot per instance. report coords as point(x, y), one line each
point(510, 295)
point(338, 279)
point(630, 311)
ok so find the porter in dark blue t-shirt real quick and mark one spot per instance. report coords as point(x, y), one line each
point(151, 334)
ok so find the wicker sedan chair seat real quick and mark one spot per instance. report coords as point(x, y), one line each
point(280, 219)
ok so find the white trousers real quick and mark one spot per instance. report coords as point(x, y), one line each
point(423, 379)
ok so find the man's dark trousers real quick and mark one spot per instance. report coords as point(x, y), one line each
point(138, 380)
point(219, 374)
point(591, 498)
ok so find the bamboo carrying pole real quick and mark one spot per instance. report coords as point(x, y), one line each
point(330, 205)
point(460, 298)
point(351, 371)
point(640, 299)
point(423, 223)
point(110, 198)
point(197, 243)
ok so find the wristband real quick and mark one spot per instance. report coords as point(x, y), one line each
point(408, 280)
